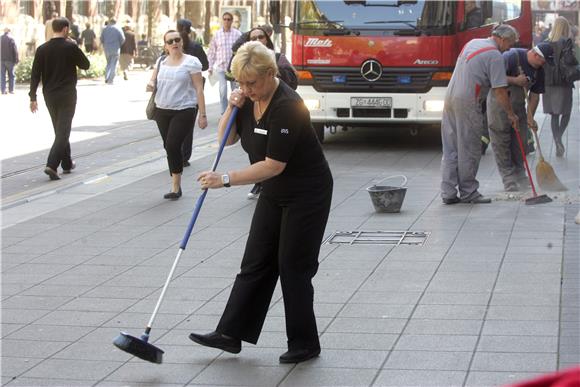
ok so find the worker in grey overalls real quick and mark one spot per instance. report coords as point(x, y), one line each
point(479, 67)
point(524, 73)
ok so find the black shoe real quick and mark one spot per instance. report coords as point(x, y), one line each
point(299, 355)
point(72, 166)
point(478, 200)
point(186, 163)
point(217, 340)
point(255, 192)
point(454, 200)
point(51, 173)
point(173, 195)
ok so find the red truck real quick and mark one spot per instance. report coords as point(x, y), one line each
point(376, 62)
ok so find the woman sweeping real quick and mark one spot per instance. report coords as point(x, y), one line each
point(291, 213)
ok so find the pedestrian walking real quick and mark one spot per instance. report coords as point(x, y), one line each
point(194, 49)
point(128, 50)
point(525, 77)
point(75, 33)
point(8, 60)
point(88, 38)
point(179, 95)
point(286, 73)
point(48, 31)
point(557, 100)
point(112, 39)
point(55, 63)
point(274, 125)
point(220, 53)
point(479, 67)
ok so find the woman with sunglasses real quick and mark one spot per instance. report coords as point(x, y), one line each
point(274, 127)
point(179, 91)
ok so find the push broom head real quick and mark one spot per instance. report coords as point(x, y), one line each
point(540, 199)
point(138, 347)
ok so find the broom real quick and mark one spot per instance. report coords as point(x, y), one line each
point(545, 175)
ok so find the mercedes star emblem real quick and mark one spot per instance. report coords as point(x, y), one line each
point(371, 70)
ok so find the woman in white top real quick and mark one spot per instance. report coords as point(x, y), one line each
point(179, 91)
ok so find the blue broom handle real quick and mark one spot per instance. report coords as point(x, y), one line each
point(200, 200)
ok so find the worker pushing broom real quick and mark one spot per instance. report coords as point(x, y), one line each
point(524, 70)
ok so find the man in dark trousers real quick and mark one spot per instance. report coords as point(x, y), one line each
point(190, 48)
point(8, 59)
point(55, 63)
point(128, 50)
point(88, 37)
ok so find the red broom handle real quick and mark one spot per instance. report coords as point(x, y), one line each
point(525, 160)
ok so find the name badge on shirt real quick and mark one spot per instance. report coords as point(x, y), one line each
point(263, 132)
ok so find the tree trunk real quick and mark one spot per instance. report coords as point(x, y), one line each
point(206, 24)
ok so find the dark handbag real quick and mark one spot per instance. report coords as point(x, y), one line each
point(151, 107)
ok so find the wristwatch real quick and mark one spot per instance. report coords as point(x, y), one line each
point(226, 180)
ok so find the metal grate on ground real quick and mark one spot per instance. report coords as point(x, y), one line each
point(358, 237)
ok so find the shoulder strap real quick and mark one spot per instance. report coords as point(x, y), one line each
point(158, 67)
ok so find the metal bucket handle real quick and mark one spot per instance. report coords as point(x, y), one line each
point(390, 177)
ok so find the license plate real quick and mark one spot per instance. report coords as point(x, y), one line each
point(371, 102)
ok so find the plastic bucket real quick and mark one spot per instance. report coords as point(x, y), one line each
point(388, 198)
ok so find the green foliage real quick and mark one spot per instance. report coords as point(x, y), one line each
point(97, 69)
point(23, 70)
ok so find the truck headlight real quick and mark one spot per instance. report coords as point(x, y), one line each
point(312, 104)
point(434, 106)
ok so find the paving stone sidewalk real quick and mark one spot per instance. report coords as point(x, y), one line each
point(492, 297)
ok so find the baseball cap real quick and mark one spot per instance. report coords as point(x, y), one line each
point(546, 51)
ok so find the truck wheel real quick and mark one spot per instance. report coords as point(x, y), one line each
point(319, 130)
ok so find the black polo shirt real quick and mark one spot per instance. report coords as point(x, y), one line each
point(284, 133)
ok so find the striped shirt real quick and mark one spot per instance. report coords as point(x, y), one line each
point(220, 48)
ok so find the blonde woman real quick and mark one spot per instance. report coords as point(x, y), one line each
point(557, 99)
point(179, 94)
point(274, 127)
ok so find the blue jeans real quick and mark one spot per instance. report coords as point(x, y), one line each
point(111, 69)
point(223, 87)
point(7, 67)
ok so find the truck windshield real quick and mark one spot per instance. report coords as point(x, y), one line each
point(372, 17)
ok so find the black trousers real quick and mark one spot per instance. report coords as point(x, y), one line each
point(284, 242)
point(188, 141)
point(174, 125)
point(61, 107)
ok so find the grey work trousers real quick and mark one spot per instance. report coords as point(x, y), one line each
point(461, 129)
point(504, 141)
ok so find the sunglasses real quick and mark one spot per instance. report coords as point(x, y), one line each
point(174, 40)
point(228, 19)
point(253, 38)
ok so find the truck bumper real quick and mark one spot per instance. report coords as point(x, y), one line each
point(336, 109)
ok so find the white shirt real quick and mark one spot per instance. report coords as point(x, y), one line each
point(175, 89)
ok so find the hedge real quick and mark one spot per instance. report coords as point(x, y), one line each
point(97, 69)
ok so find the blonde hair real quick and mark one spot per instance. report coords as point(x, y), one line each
point(560, 30)
point(253, 59)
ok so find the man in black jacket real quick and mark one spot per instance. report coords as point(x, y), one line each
point(9, 59)
point(55, 63)
point(194, 49)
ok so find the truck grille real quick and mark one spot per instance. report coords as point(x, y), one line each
point(419, 81)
